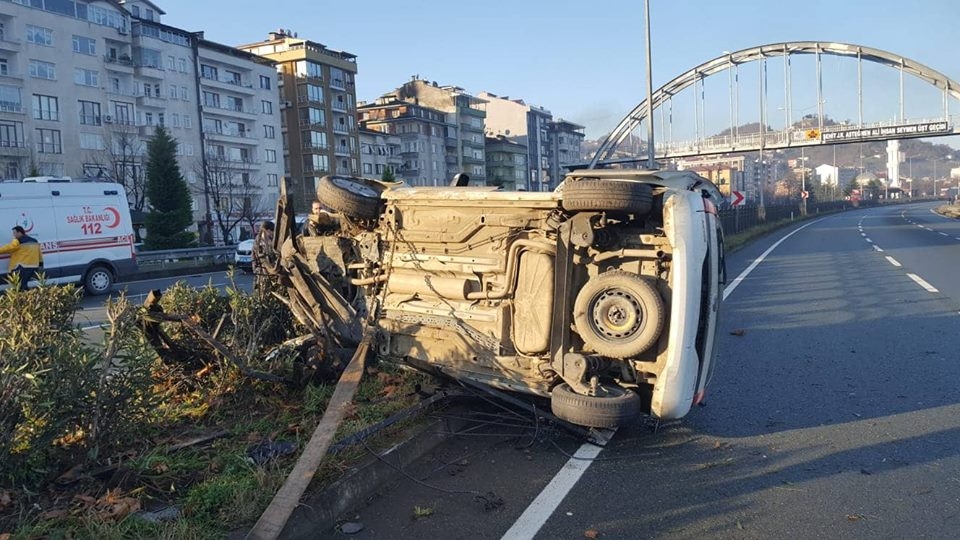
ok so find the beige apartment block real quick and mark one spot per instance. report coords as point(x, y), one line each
point(318, 110)
point(84, 84)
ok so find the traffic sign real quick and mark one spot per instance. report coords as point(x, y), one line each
point(737, 198)
point(813, 133)
point(804, 194)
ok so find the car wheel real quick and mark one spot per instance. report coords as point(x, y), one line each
point(98, 281)
point(351, 197)
point(612, 406)
point(619, 314)
point(607, 195)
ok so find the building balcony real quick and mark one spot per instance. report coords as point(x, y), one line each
point(341, 107)
point(341, 129)
point(470, 160)
point(451, 159)
point(450, 142)
point(315, 147)
point(307, 100)
point(237, 137)
point(13, 148)
point(228, 84)
point(125, 92)
point(230, 112)
point(342, 150)
point(119, 64)
point(338, 84)
point(10, 45)
point(157, 102)
point(149, 72)
point(11, 77)
point(11, 107)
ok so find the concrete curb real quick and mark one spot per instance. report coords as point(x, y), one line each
point(318, 513)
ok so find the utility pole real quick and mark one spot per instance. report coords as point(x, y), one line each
point(651, 149)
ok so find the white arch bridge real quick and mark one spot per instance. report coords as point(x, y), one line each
point(811, 129)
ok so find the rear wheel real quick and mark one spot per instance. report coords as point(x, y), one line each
point(619, 314)
point(98, 280)
point(352, 197)
point(612, 406)
point(607, 195)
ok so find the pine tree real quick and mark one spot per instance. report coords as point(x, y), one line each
point(388, 175)
point(170, 202)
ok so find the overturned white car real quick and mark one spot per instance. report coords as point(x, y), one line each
point(602, 296)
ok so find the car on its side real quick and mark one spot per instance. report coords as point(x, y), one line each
point(602, 295)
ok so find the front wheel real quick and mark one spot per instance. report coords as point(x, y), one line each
point(613, 405)
point(98, 281)
point(352, 197)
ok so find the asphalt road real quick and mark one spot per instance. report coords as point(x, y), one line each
point(833, 413)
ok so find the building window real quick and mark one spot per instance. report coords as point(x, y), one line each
point(11, 134)
point(264, 82)
point(46, 107)
point(175, 120)
point(171, 62)
point(187, 122)
point(269, 132)
point(271, 156)
point(43, 70)
point(183, 93)
point(86, 77)
point(182, 65)
point(39, 35)
point(173, 91)
point(4, 67)
point(232, 78)
point(208, 72)
point(367, 168)
point(91, 141)
point(48, 141)
point(266, 107)
point(273, 180)
point(234, 104)
point(84, 45)
point(211, 99)
point(90, 113)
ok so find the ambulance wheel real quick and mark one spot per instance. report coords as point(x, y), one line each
point(98, 281)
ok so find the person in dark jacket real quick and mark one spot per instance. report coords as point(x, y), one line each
point(25, 256)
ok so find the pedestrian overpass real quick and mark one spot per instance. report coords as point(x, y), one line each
point(770, 105)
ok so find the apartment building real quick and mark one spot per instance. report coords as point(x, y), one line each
point(379, 152)
point(463, 111)
point(428, 140)
point(317, 110)
point(84, 84)
point(240, 120)
point(506, 163)
point(525, 124)
point(564, 141)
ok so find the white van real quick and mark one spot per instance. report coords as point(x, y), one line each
point(84, 229)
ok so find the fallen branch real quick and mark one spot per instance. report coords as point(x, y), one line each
point(274, 518)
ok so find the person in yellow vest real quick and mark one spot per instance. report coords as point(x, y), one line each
point(25, 256)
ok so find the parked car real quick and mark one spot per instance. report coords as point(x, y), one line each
point(243, 258)
point(602, 295)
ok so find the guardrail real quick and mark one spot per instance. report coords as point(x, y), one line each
point(171, 259)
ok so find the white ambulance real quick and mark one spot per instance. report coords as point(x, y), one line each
point(84, 229)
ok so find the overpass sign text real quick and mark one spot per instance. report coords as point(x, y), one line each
point(908, 130)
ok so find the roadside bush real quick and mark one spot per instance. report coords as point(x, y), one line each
point(63, 400)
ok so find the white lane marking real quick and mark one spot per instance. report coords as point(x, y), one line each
point(175, 278)
point(922, 283)
point(894, 261)
point(540, 510)
point(921, 226)
point(863, 234)
point(944, 234)
point(743, 275)
point(926, 228)
point(876, 247)
point(869, 241)
point(956, 237)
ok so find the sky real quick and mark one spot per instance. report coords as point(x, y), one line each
point(583, 61)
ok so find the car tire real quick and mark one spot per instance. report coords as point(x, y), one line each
point(617, 406)
point(607, 195)
point(98, 280)
point(352, 197)
point(619, 314)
